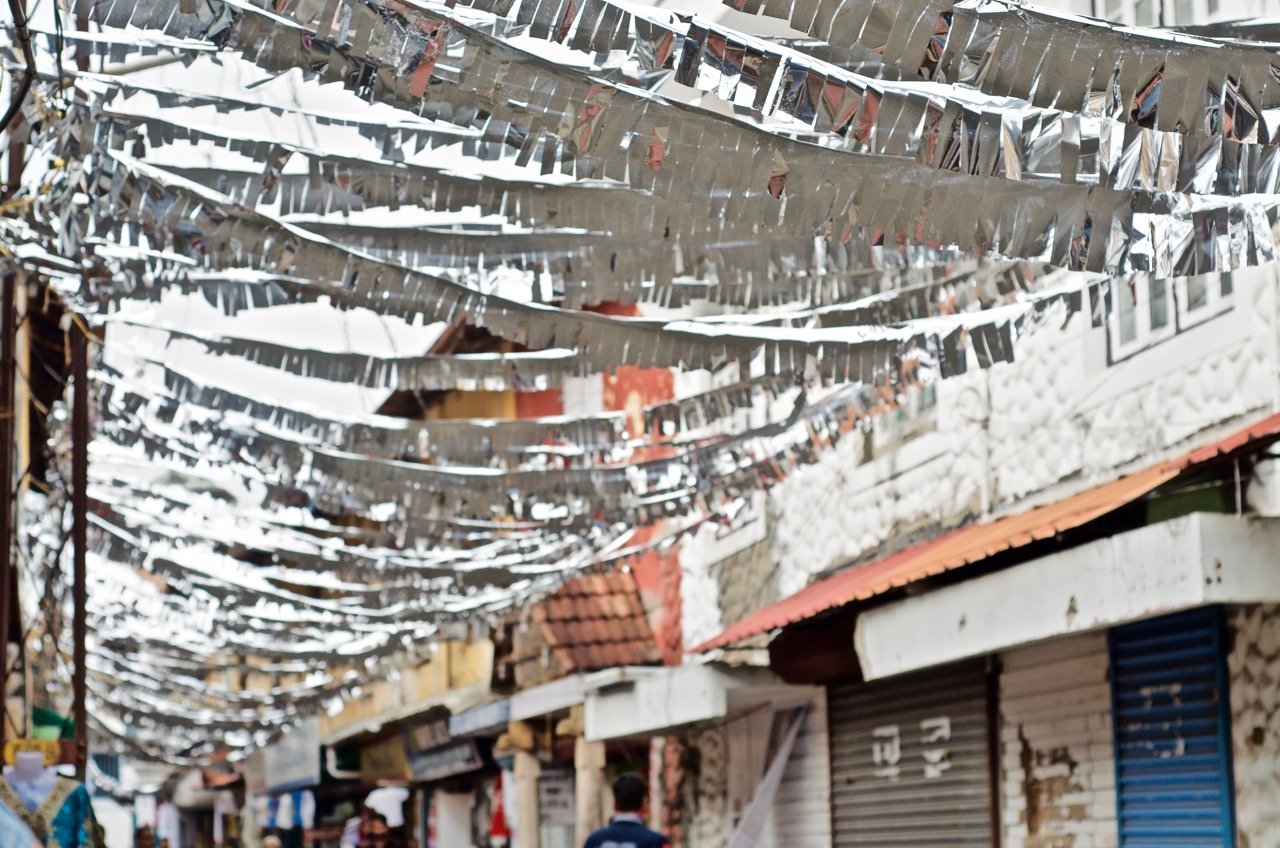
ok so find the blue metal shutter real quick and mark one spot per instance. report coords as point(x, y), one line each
point(1172, 732)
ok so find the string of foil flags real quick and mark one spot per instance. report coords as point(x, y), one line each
point(470, 560)
point(158, 720)
point(803, 263)
point(1016, 218)
point(968, 291)
point(1185, 234)
point(353, 185)
point(586, 493)
point(1174, 82)
point(1138, 157)
point(946, 125)
point(469, 565)
point(1010, 140)
point(602, 342)
point(268, 432)
point(585, 265)
point(865, 349)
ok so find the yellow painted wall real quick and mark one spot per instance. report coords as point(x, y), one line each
point(455, 665)
point(475, 405)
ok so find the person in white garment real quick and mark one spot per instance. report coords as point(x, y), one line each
point(13, 833)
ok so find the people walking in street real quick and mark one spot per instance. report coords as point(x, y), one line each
point(627, 828)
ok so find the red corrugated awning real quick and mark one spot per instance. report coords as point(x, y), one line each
point(976, 542)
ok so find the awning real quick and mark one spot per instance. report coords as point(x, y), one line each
point(547, 698)
point(1180, 564)
point(976, 542)
point(650, 701)
point(490, 718)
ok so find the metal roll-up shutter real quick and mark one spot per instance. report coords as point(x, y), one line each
point(1172, 725)
point(910, 761)
point(801, 813)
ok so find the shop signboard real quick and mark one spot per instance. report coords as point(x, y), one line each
point(384, 761)
point(555, 798)
point(492, 716)
point(294, 761)
point(457, 757)
point(255, 773)
point(429, 734)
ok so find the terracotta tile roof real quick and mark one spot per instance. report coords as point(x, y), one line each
point(597, 621)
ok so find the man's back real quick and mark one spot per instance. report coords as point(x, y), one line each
point(626, 831)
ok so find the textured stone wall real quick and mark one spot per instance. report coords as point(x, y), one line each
point(710, 559)
point(706, 819)
point(1254, 666)
point(1061, 418)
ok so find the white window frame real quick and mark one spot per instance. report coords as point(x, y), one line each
point(1144, 335)
point(1127, 13)
point(1215, 303)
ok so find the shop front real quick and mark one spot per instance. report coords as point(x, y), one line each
point(1171, 711)
point(760, 748)
point(912, 759)
point(456, 783)
point(280, 779)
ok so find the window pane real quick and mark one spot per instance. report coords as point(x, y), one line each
point(1159, 304)
point(1144, 13)
point(1128, 313)
point(1213, 7)
point(1112, 10)
point(1197, 293)
point(1183, 12)
point(1227, 285)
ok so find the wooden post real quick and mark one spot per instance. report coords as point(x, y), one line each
point(8, 366)
point(79, 340)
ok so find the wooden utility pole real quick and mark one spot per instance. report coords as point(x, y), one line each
point(79, 338)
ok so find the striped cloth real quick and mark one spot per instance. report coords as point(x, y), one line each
point(13, 833)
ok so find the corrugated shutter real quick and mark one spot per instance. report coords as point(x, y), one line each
point(1057, 761)
point(1172, 720)
point(801, 813)
point(909, 761)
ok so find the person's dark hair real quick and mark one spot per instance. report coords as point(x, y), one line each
point(629, 793)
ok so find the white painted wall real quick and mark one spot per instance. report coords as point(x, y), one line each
point(116, 822)
point(1059, 420)
point(1058, 786)
point(701, 577)
point(452, 819)
point(1254, 667)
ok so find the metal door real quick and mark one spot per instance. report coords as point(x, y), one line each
point(1171, 720)
point(910, 761)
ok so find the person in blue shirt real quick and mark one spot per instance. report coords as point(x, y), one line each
point(627, 829)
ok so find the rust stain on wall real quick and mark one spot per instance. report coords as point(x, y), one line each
point(1044, 795)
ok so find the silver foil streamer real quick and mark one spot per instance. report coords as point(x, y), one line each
point(914, 202)
point(1175, 83)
